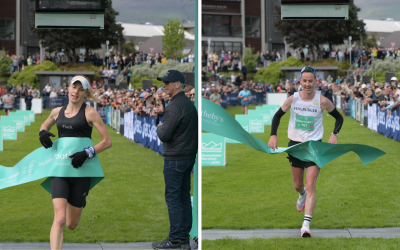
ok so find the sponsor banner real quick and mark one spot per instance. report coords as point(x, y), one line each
point(1, 138)
point(213, 148)
point(27, 118)
point(30, 112)
point(103, 114)
point(267, 116)
point(117, 119)
point(9, 130)
point(54, 162)
point(256, 122)
point(18, 119)
point(365, 115)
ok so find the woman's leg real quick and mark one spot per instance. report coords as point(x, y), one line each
point(56, 233)
point(73, 216)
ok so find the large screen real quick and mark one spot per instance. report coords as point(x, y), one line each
point(70, 5)
point(315, 1)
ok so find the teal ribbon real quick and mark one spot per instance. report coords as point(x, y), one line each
point(52, 162)
point(217, 121)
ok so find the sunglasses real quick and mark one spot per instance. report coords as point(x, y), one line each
point(308, 67)
point(191, 94)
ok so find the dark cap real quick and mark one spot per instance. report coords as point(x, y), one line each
point(172, 76)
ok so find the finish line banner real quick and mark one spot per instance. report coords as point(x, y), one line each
point(216, 120)
point(52, 162)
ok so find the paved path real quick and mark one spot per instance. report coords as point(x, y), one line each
point(214, 234)
point(82, 246)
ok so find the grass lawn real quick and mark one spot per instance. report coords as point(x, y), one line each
point(255, 190)
point(298, 244)
point(127, 206)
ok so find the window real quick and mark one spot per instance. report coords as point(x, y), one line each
point(221, 25)
point(222, 46)
point(7, 27)
point(252, 26)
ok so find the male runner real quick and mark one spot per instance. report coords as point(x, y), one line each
point(245, 96)
point(306, 114)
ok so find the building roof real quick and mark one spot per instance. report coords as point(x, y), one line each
point(316, 68)
point(65, 73)
point(382, 26)
point(146, 30)
point(156, 43)
point(392, 38)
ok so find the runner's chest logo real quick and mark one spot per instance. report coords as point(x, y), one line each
point(67, 127)
point(305, 109)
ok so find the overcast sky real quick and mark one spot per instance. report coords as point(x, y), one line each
point(379, 9)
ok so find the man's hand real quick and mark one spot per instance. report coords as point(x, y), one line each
point(389, 113)
point(273, 142)
point(333, 139)
point(159, 124)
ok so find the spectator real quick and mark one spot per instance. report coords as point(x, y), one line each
point(244, 71)
point(216, 97)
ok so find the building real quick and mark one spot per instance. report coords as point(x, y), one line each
point(232, 25)
point(7, 26)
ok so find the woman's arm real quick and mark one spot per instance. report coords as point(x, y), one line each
point(94, 118)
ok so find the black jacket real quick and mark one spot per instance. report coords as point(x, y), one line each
point(179, 130)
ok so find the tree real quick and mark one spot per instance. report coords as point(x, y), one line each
point(250, 59)
point(174, 38)
point(129, 47)
point(68, 40)
point(300, 33)
point(370, 42)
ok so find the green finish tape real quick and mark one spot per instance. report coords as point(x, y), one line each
point(52, 162)
point(216, 120)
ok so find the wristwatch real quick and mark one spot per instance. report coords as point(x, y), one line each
point(337, 135)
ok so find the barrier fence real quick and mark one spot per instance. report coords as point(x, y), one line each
point(372, 117)
point(232, 99)
point(141, 129)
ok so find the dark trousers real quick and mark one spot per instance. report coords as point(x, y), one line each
point(28, 107)
point(177, 196)
point(244, 76)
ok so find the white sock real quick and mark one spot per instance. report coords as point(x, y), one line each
point(304, 192)
point(307, 220)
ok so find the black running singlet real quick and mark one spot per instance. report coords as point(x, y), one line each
point(76, 126)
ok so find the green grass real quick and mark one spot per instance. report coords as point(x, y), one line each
point(255, 190)
point(307, 244)
point(127, 206)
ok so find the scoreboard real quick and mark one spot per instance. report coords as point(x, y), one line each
point(315, 9)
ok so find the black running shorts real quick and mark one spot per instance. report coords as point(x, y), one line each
point(73, 189)
point(296, 163)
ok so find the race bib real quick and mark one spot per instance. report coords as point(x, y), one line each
point(304, 122)
point(245, 99)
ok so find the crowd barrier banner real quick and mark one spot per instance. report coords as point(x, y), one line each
point(213, 148)
point(266, 114)
point(374, 118)
point(37, 106)
point(18, 119)
point(338, 102)
point(117, 120)
point(108, 115)
point(9, 130)
point(232, 99)
point(276, 98)
point(43, 163)
point(216, 120)
point(121, 123)
point(102, 112)
point(145, 132)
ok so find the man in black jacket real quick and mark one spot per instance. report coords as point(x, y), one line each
point(179, 134)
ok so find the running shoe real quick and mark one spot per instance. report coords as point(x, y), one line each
point(301, 202)
point(166, 244)
point(305, 233)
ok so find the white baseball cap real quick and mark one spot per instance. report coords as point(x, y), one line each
point(363, 86)
point(393, 78)
point(83, 80)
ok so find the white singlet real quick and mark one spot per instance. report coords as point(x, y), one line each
point(305, 123)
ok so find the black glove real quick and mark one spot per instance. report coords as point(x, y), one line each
point(44, 137)
point(78, 158)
